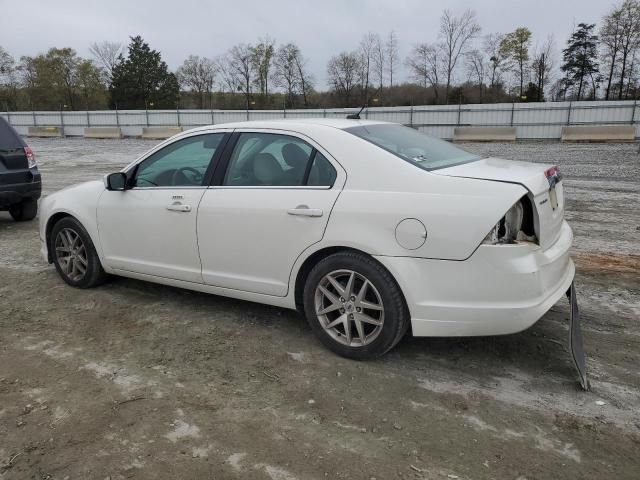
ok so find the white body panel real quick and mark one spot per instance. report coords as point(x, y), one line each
point(243, 243)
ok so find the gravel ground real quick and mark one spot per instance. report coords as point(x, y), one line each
point(134, 380)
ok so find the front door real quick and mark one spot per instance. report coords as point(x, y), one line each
point(273, 202)
point(151, 227)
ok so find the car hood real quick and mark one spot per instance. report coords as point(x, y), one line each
point(529, 175)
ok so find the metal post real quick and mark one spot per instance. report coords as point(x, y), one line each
point(459, 112)
point(513, 110)
point(146, 114)
point(569, 114)
point(178, 114)
point(61, 117)
point(117, 117)
point(6, 107)
point(411, 116)
point(213, 119)
point(33, 114)
point(324, 113)
point(633, 115)
point(88, 120)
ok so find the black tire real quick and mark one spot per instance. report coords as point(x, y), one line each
point(24, 211)
point(94, 273)
point(396, 318)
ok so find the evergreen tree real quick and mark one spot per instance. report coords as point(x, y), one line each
point(580, 56)
point(142, 80)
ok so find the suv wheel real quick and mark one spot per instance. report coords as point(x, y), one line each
point(25, 210)
point(354, 306)
point(74, 255)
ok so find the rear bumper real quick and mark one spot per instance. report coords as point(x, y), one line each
point(16, 192)
point(500, 289)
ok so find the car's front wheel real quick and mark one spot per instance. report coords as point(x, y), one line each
point(74, 255)
point(24, 211)
point(354, 306)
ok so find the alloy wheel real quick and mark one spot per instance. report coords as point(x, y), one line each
point(71, 254)
point(349, 308)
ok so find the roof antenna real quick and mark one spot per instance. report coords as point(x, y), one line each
point(356, 116)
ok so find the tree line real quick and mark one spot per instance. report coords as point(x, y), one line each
point(460, 65)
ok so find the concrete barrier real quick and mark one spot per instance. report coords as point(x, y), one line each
point(159, 133)
point(600, 133)
point(45, 132)
point(484, 134)
point(102, 132)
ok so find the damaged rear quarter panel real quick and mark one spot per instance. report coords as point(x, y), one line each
point(457, 212)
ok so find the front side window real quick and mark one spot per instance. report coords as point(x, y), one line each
point(180, 164)
point(426, 152)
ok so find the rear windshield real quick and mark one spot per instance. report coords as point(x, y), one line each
point(9, 138)
point(426, 152)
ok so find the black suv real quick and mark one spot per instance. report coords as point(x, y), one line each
point(20, 185)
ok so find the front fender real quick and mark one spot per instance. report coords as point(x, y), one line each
point(79, 201)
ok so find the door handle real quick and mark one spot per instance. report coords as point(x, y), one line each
point(305, 211)
point(178, 207)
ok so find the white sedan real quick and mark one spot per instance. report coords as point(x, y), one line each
point(369, 228)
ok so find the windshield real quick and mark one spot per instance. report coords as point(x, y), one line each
point(426, 152)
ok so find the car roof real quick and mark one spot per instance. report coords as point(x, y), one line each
point(9, 138)
point(296, 124)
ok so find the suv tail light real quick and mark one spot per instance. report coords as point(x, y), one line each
point(31, 158)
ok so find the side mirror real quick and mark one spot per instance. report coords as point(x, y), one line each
point(116, 181)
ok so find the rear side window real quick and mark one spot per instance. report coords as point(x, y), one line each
point(267, 159)
point(322, 173)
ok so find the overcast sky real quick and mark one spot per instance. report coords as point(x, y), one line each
point(321, 28)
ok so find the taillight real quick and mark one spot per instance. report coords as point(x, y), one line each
point(31, 158)
point(553, 175)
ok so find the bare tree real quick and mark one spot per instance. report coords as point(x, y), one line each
point(366, 52)
point(392, 54)
point(306, 79)
point(611, 39)
point(198, 75)
point(491, 49)
point(106, 54)
point(379, 61)
point(542, 65)
point(343, 72)
point(240, 68)
point(285, 74)
point(8, 78)
point(261, 60)
point(425, 62)
point(455, 34)
point(630, 38)
point(477, 69)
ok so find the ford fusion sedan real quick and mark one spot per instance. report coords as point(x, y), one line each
point(371, 229)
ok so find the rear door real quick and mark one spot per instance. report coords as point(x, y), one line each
point(271, 199)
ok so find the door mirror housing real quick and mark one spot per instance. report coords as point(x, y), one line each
point(116, 181)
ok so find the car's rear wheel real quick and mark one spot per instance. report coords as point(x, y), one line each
point(354, 306)
point(74, 255)
point(24, 211)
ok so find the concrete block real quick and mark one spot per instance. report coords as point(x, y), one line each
point(102, 132)
point(484, 134)
point(45, 132)
point(599, 133)
point(159, 133)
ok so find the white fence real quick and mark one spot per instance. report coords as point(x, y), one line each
point(532, 120)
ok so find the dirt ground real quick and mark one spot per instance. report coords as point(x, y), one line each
point(134, 380)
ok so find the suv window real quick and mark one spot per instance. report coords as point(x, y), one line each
point(267, 159)
point(182, 163)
